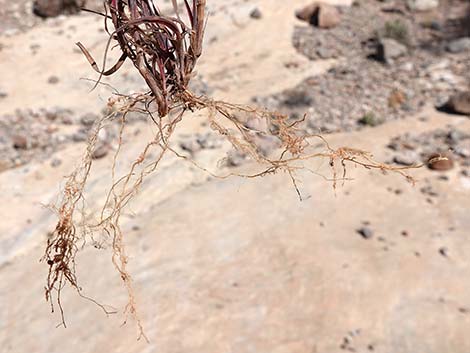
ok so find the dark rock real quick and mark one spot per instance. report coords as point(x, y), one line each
point(435, 25)
point(80, 136)
point(297, 98)
point(20, 142)
point(63, 115)
point(306, 13)
point(320, 15)
point(366, 232)
point(444, 251)
point(101, 151)
point(53, 80)
point(459, 103)
point(53, 8)
point(463, 149)
point(88, 119)
point(256, 13)
point(370, 119)
point(407, 158)
point(454, 137)
point(389, 49)
point(460, 45)
point(103, 143)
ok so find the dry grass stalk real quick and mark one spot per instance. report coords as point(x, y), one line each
point(164, 50)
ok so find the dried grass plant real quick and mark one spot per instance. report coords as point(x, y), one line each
point(164, 50)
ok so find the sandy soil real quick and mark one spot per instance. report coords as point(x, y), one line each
point(233, 265)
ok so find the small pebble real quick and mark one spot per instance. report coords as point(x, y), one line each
point(20, 142)
point(100, 151)
point(56, 162)
point(256, 14)
point(443, 251)
point(80, 136)
point(53, 80)
point(88, 119)
point(366, 232)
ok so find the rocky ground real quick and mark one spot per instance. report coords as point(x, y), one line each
point(376, 265)
point(390, 67)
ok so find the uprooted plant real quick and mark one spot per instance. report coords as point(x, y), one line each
point(164, 50)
